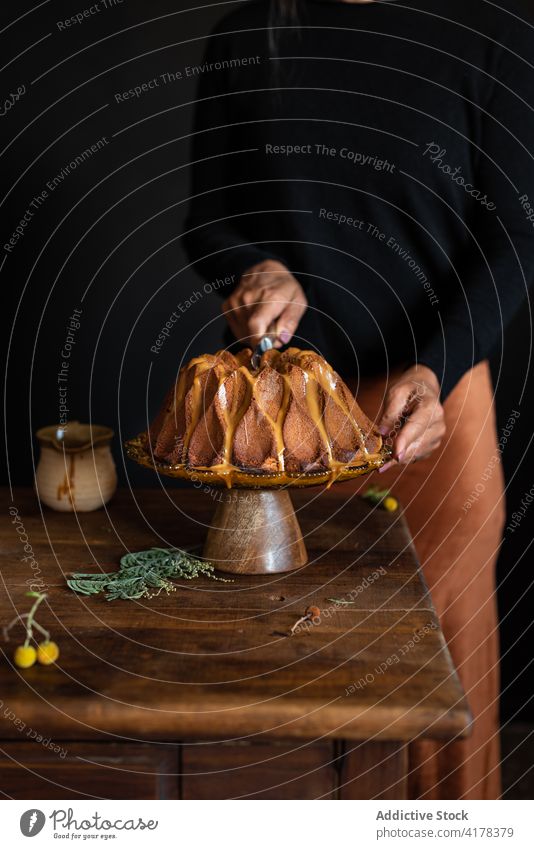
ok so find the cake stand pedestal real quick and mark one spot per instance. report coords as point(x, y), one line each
point(254, 530)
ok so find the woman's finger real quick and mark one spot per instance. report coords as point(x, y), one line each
point(251, 295)
point(261, 316)
point(434, 445)
point(386, 466)
point(289, 320)
point(412, 440)
point(424, 426)
point(396, 406)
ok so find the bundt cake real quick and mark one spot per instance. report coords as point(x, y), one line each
point(292, 415)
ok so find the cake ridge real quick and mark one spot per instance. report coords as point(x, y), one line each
point(291, 414)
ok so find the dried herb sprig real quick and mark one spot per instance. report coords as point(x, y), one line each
point(340, 601)
point(141, 571)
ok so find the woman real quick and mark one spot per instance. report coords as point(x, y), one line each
point(362, 173)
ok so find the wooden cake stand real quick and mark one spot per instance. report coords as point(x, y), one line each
point(254, 529)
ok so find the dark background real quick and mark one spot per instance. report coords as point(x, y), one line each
point(106, 241)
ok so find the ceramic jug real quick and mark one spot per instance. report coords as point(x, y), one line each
point(76, 471)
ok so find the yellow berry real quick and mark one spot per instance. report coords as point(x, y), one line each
point(24, 656)
point(390, 503)
point(47, 653)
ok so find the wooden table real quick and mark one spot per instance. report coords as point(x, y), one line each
point(200, 694)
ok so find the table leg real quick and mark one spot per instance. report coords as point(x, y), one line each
point(374, 770)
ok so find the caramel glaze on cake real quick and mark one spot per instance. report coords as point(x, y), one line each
point(293, 415)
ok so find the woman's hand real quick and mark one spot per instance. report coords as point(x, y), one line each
point(267, 298)
point(413, 420)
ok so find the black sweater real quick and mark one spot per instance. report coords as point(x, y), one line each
point(386, 157)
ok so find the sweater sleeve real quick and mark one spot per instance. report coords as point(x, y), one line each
point(213, 238)
point(499, 267)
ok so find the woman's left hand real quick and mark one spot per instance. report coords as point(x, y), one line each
point(413, 420)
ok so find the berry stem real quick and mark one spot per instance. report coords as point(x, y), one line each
point(39, 597)
point(6, 629)
point(44, 632)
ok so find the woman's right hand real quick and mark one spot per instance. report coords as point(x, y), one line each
point(267, 299)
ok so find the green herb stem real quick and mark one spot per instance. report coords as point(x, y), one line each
point(140, 572)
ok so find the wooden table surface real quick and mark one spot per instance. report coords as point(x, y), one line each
point(212, 661)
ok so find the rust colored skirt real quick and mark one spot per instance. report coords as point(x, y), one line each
point(454, 505)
